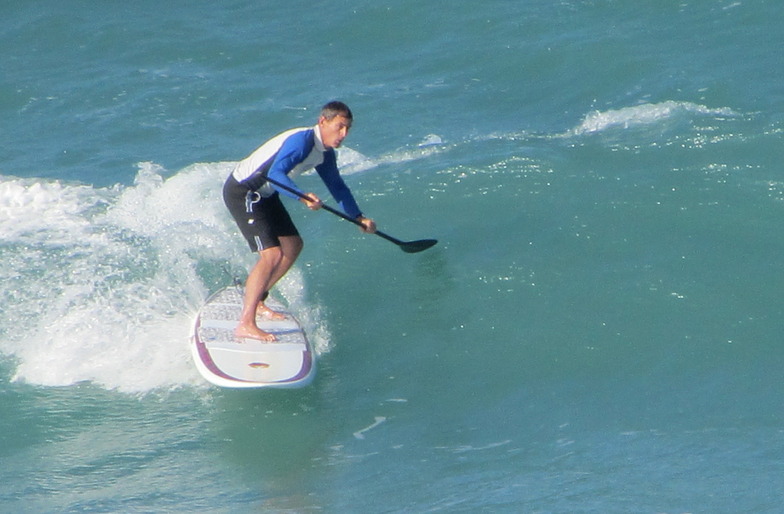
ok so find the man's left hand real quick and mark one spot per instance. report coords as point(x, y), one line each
point(368, 225)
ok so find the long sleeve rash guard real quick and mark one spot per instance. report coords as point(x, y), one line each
point(289, 154)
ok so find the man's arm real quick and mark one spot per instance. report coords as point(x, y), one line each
point(294, 150)
point(328, 171)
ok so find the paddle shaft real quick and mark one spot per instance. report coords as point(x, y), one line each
point(335, 212)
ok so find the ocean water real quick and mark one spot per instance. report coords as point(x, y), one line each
point(598, 329)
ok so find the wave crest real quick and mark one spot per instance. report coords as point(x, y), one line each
point(643, 114)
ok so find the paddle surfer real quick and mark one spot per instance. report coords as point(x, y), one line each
point(256, 206)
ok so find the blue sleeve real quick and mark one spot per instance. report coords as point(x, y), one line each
point(294, 150)
point(328, 171)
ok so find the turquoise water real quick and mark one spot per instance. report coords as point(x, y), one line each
point(596, 331)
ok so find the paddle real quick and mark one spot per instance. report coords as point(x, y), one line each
point(406, 246)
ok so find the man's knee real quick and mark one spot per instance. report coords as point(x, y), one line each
point(292, 245)
point(272, 255)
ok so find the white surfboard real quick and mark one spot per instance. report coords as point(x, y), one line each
point(227, 361)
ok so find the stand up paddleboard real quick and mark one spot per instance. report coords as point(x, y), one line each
point(227, 361)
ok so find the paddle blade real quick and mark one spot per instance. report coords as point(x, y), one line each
point(417, 246)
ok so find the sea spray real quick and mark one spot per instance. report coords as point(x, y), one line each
point(644, 114)
point(105, 281)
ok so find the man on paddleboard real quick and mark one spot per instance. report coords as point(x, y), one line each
point(256, 206)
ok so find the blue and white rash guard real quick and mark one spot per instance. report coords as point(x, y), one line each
point(289, 154)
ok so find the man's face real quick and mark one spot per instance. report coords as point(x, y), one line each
point(334, 131)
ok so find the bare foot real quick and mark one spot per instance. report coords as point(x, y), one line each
point(246, 332)
point(263, 310)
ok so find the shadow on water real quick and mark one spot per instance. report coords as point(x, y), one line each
point(276, 440)
point(434, 281)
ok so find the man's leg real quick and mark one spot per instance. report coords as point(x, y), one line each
point(290, 247)
point(259, 280)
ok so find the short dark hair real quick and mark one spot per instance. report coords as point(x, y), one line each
point(336, 108)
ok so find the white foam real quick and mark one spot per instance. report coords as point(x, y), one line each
point(101, 285)
point(431, 139)
point(26, 206)
point(351, 161)
point(643, 114)
point(292, 289)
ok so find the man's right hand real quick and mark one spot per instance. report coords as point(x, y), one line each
point(312, 201)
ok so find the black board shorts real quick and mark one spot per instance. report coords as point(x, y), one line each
point(262, 221)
